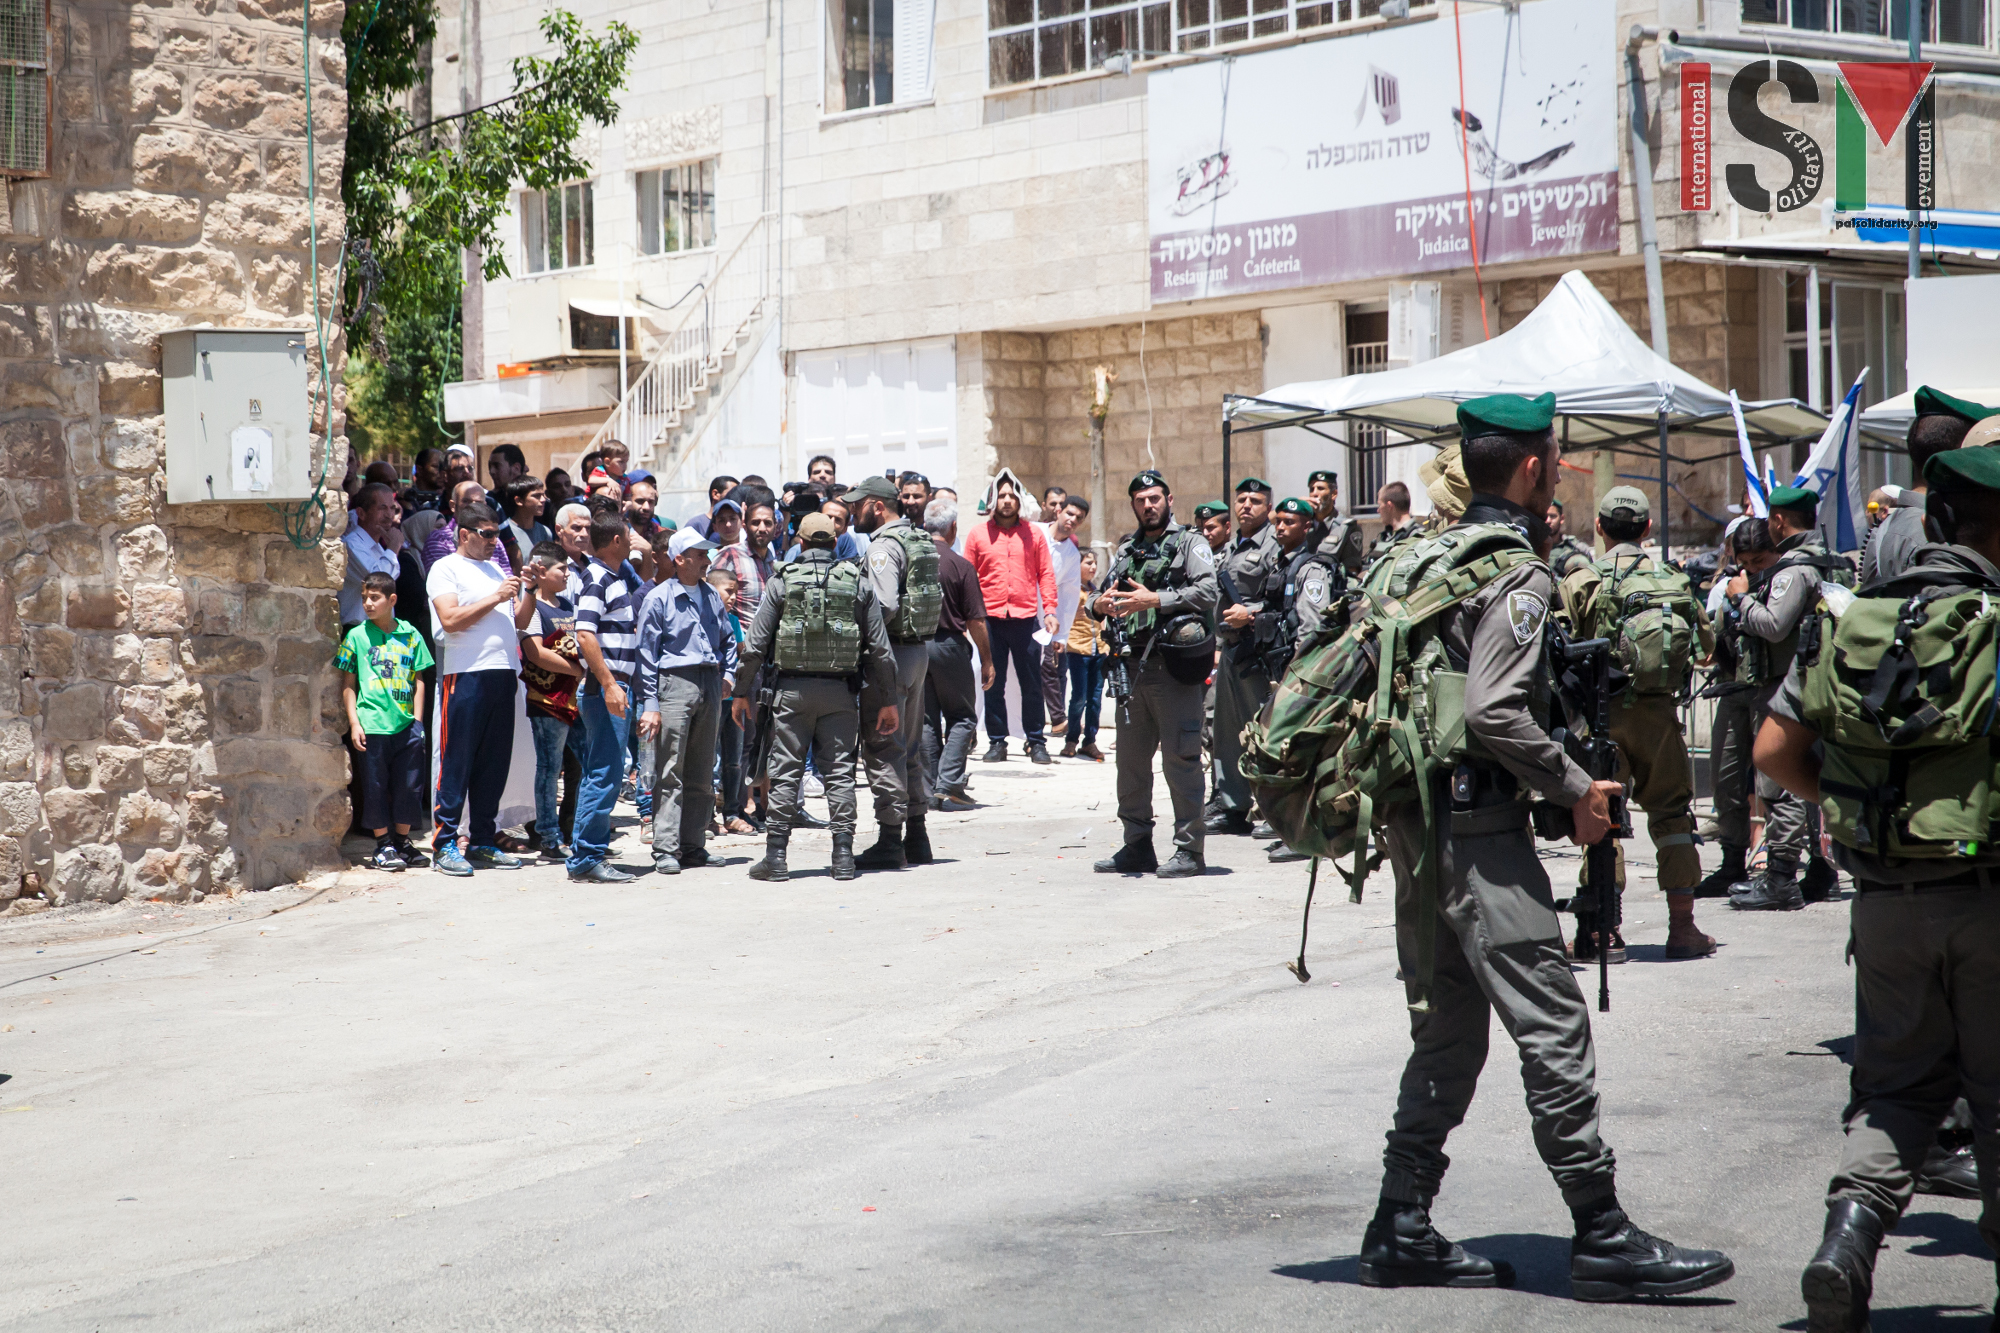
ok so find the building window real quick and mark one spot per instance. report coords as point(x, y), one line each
point(878, 53)
point(677, 208)
point(558, 227)
point(24, 88)
point(1958, 22)
point(1367, 442)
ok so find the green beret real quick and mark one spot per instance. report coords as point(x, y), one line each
point(1146, 479)
point(1794, 497)
point(1257, 484)
point(1556, 504)
point(1291, 504)
point(1975, 469)
point(1330, 478)
point(1506, 414)
point(1936, 403)
point(1208, 509)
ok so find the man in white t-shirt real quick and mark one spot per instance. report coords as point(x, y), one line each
point(1066, 561)
point(479, 611)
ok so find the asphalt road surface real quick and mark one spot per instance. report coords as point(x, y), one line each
point(1000, 1092)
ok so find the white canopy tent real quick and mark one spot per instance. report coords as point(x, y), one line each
point(1612, 390)
point(1889, 420)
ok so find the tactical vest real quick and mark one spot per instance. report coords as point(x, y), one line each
point(916, 618)
point(1152, 567)
point(1903, 692)
point(819, 630)
point(1762, 662)
point(1648, 612)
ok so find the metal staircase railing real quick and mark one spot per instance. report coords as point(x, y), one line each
point(738, 293)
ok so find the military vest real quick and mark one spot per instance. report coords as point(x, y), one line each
point(916, 618)
point(819, 630)
point(1761, 662)
point(1648, 612)
point(1149, 565)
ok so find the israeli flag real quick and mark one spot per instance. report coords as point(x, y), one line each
point(1760, 495)
point(1834, 471)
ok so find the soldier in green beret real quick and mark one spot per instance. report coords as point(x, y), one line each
point(1568, 554)
point(1247, 574)
point(1478, 918)
point(1339, 537)
point(1940, 425)
point(1925, 944)
point(1212, 518)
point(1769, 609)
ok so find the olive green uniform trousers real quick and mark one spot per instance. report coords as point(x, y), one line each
point(1653, 765)
point(816, 713)
point(894, 763)
point(1240, 694)
point(1926, 992)
point(1499, 950)
point(1162, 716)
point(1730, 773)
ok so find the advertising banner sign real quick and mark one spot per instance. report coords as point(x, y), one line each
point(1348, 157)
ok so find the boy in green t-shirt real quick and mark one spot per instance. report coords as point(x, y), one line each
point(379, 662)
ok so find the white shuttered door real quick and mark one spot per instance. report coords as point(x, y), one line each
point(915, 21)
point(892, 405)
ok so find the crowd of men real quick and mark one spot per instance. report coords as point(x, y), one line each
point(827, 628)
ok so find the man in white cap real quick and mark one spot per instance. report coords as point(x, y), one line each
point(687, 663)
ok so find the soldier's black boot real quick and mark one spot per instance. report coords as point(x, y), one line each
point(1731, 871)
point(1134, 858)
point(1610, 1259)
point(1402, 1249)
point(773, 864)
point(1183, 865)
point(1819, 881)
point(1841, 1277)
point(887, 853)
point(1773, 889)
point(916, 842)
point(1949, 1172)
point(843, 856)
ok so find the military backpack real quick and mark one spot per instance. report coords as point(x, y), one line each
point(916, 618)
point(1648, 611)
point(819, 630)
point(1902, 689)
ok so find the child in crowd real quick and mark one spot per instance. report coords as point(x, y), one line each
point(1085, 654)
point(551, 669)
point(383, 695)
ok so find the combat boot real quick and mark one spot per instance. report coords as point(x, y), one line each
point(1402, 1249)
point(843, 856)
point(1949, 1172)
point(1134, 858)
point(1184, 865)
point(916, 842)
point(1610, 1259)
point(1819, 881)
point(1841, 1277)
point(1775, 889)
point(1731, 871)
point(887, 853)
point(772, 867)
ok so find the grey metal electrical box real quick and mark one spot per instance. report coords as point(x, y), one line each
point(239, 421)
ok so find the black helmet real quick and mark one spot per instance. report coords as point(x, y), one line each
point(1188, 646)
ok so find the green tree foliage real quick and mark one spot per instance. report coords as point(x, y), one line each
point(418, 196)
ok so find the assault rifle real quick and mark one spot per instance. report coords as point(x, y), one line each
point(1118, 674)
point(1587, 679)
point(767, 699)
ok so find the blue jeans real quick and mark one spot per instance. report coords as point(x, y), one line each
point(475, 746)
point(551, 735)
point(603, 756)
point(1086, 693)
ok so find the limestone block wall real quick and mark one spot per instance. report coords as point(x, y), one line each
point(168, 713)
point(1172, 374)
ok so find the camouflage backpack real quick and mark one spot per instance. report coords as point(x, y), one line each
point(1364, 720)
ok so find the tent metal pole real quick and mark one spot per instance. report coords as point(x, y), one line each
point(1227, 502)
point(1666, 521)
point(1642, 193)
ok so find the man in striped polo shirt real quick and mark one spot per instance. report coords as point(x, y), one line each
point(607, 613)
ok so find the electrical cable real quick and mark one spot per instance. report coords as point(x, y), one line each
point(1465, 154)
point(1147, 384)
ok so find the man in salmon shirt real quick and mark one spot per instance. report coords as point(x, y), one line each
point(1017, 580)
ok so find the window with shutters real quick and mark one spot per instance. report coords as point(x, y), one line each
point(878, 53)
point(677, 208)
point(24, 88)
point(1953, 22)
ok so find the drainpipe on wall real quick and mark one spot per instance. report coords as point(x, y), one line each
point(1649, 247)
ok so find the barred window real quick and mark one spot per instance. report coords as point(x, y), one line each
point(24, 88)
point(677, 208)
point(1957, 22)
point(558, 227)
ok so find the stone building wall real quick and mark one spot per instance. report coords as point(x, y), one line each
point(1039, 388)
point(169, 720)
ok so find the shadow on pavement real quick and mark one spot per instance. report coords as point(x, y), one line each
point(1945, 1236)
point(1541, 1265)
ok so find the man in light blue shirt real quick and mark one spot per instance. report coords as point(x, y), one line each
point(687, 664)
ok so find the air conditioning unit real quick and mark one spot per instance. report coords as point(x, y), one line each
point(558, 320)
point(25, 134)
